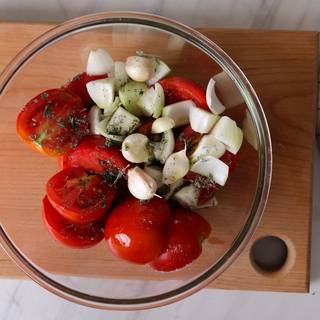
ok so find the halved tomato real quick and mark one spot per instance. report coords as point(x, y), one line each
point(53, 122)
point(79, 196)
point(72, 235)
point(78, 86)
point(179, 88)
point(93, 155)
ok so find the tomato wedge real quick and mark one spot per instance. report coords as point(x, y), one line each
point(135, 230)
point(179, 88)
point(184, 235)
point(78, 86)
point(188, 137)
point(78, 196)
point(72, 235)
point(53, 122)
point(93, 155)
point(231, 160)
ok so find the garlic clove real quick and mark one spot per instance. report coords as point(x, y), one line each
point(162, 124)
point(176, 167)
point(141, 185)
point(135, 148)
point(140, 68)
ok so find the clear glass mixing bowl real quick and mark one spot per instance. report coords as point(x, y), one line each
point(93, 277)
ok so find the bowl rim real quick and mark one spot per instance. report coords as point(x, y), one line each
point(264, 146)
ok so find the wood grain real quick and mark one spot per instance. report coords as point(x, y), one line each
point(282, 68)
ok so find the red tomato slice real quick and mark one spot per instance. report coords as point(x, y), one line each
point(188, 137)
point(93, 155)
point(78, 196)
point(78, 86)
point(231, 160)
point(184, 235)
point(53, 122)
point(146, 126)
point(178, 88)
point(135, 230)
point(72, 235)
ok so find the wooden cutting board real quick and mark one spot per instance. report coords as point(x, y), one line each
point(282, 66)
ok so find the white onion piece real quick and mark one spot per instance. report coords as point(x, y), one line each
point(212, 167)
point(208, 145)
point(94, 118)
point(227, 132)
point(135, 148)
point(213, 101)
point(249, 131)
point(163, 149)
point(155, 172)
point(99, 62)
point(162, 124)
point(201, 120)
point(140, 184)
point(140, 68)
point(179, 112)
point(187, 196)
point(120, 74)
point(161, 70)
point(228, 91)
point(173, 188)
point(101, 92)
point(176, 167)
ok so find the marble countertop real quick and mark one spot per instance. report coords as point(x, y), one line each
point(25, 300)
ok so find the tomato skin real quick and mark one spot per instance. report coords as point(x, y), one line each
point(188, 137)
point(78, 196)
point(78, 86)
point(93, 155)
point(145, 128)
point(53, 122)
point(184, 234)
point(231, 160)
point(71, 235)
point(135, 230)
point(179, 88)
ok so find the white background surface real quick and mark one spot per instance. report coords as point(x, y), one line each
point(25, 300)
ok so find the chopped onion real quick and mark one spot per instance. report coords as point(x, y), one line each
point(140, 184)
point(208, 145)
point(212, 167)
point(176, 167)
point(94, 117)
point(179, 112)
point(249, 131)
point(163, 149)
point(120, 75)
point(135, 148)
point(201, 120)
point(140, 68)
point(101, 92)
point(99, 62)
point(213, 101)
point(173, 188)
point(155, 172)
point(227, 132)
point(187, 196)
point(162, 124)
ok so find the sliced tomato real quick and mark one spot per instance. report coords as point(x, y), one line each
point(231, 160)
point(135, 230)
point(93, 155)
point(184, 235)
point(78, 86)
point(146, 126)
point(53, 122)
point(187, 137)
point(79, 196)
point(206, 186)
point(72, 235)
point(179, 88)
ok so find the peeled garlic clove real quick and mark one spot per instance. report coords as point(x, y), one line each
point(208, 145)
point(227, 132)
point(135, 148)
point(213, 101)
point(201, 120)
point(162, 124)
point(101, 92)
point(176, 167)
point(141, 185)
point(179, 112)
point(213, 168)
point(140, 68)
point(99, 62)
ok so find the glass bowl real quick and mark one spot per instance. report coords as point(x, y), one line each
point(93, 277)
